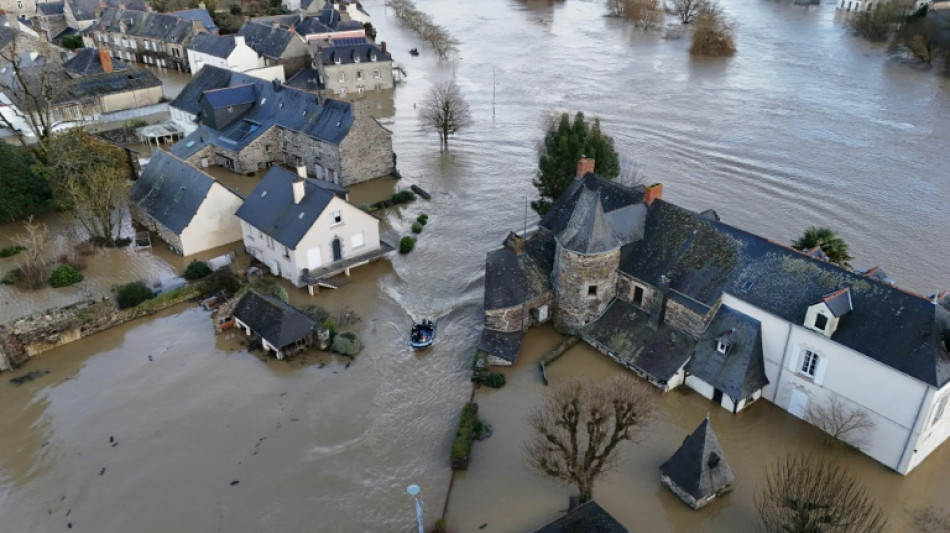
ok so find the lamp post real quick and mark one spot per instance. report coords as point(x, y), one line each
point(413, 490)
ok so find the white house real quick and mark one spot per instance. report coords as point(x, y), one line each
point(228, 52)
point(188, 209)
point(680, 298)
point(304, 229)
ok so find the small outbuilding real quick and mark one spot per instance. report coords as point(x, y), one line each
point(282, 328)
point(698, 472)
point(588, 518)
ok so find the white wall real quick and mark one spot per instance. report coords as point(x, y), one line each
point(214, 224)
point(186, 121)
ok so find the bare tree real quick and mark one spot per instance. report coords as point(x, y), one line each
point(714, 35)
point(804, 495)
point(616, 8)
point(644, 14)
point(438, 37)
point(876, 24)
point(577, 429)
point(686, 10)
point(445, 110)
point(846, 424)
point(922, 39)
point(930, 520)
point(35, 241)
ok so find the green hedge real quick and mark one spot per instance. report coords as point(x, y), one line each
point(495, 380)
point(462, 447)
point(132, 294)
point(406, 244)
point(64, 275)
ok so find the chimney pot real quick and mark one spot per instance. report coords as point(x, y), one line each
point(652, 192)
point(105, 59)
point(299, 190)
point(382, 46)
point(585, 165)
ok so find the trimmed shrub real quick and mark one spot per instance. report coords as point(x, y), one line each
point(64, 275)
point(196, 270)
point(462, 447)
point(347, 343)
point(416, 227)
point(403, 197)
point(10, 251)
point(422, 219)
point(495, 380)
point(132, 294)
point(280, 293)
point(406, 244)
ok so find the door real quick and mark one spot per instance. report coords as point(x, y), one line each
point(798, 403)
point(313, 257)
point(337, 250)
point(717, 397)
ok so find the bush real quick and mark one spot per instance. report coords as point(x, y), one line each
point(416, 227)
point(403, 197)
point(64, 275)
point(72, 42)
point(132, 294)
point(331, 327)
point(77, 261)
point(406, 244)
point(423, 219)
point(462, 447)
point(347, 343)
point(134, 123)
point(221, 280)
point(196, 270)
point(317, 313)
point(495, 380)
point(10, 251)
point(280, 293)
point(713, 36)
point(235, 9)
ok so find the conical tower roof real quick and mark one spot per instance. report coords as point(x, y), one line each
point(698, 467)
point(588, 232)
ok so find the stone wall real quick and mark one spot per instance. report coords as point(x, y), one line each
point(510, 318)
point(168, 236)
point(683, 318)
point(367, 151)
point(319, 157)
point(576, 274)
point(258, 155)
point(626, 287)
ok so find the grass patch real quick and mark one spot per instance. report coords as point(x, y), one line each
point(464, 436)
point(11, 251)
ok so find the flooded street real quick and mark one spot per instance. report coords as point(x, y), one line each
point(805, 125)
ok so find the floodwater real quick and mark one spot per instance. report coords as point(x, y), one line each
point(806, 125)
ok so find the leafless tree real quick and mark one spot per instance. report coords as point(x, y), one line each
point(849, 425)
point(930, 520)
point(687, 10)
point(713, 35)
point(644, 14)
point(922, 39)
point(616, 8)
point(438, 37)
point(445, 110)
point(804, 494)
point(577, 428)
point(35, 240)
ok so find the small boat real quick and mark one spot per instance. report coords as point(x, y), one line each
point(414, 52)
point(423, 334)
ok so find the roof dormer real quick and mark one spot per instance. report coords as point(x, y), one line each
point(725, 341)
point(823, 316)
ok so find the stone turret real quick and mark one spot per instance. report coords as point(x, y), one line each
point(586, 263)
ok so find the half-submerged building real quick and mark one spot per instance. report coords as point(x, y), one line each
point(697, 473)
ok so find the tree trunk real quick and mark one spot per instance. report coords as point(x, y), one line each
point(586, 490)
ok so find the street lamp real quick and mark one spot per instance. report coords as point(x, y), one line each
point(413, 490)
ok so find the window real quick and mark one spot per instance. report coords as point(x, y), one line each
point(359, 75)
point(721, 347)
point(637, 295)
point(941, 406)
point(357, 240)
point(343, 91)
point(267, 148)
point(810, 363)
point(376, 73)
point(342, 77)
point(821, 322)
point(177, 52)
point(592, 290)
point(336, 217)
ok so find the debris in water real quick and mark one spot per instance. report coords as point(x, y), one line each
point(114, 444)
point(69, 525)
point(483, 526)
point(45, 444)
point(150, 358)
point(347, 365)
point(111, 438)
point(103, 471)
point(69, 512)
point(235, 482)
point(29, 376)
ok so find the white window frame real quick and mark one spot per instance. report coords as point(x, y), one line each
point(941, 407)
point(336, 218)
point(810, 362)
point(357, 240)
point(721, 347)
point(343, 77)
point(377, 74)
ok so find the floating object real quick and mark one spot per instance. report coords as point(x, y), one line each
point(423, 334)
point(414, 52)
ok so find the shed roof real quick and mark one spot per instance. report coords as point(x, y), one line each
point(741, 370)
point(585, 518)
point(278, 323)
point(699, 467)
point(501, 344)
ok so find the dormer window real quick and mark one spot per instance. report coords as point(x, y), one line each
point(821, 322)
point(721, 347)
point(825, 315)
point(356, 59)
point(337, 60)
point(372, 57)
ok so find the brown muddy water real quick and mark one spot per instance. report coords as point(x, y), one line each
point(806, 125)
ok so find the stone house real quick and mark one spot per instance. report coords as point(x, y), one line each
point(49, 20)
point(325, 25)
point(227, 52)
point(698, 473)
point(305, 231)
point(282, 328)
point(680, 298)
point(352, 66)
point(189, 209)
point(247, 124)
point(81, 14)
point(277, 45)
point(150, 38)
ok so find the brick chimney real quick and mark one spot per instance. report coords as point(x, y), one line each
point(105, 58)
point(585, 165)
point(652, 192)
point(382, 46)
point(299, 190)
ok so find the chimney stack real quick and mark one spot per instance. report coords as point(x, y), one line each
point(105, 58)
point(302, 171)
point(585, 165)
point(382, 46)
point(652, 192)
point(275, 24)
point(239, 40)
point(299, 190)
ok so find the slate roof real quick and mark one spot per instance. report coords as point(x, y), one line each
point(271, 208)
point(625, 331)
point(587, 231)
point(613, 196)
point(214, 45)
point(7, 34)
point(585, 518)
point(49, 9)
point(267, 40)
point(277, 322)
point(703, 259)
point(87, 61)
point(741, 371)
point(512, 279)
point(200, 15)
point(209, 77)
point(95, 85)
point(171, 191)
point(276, 105)
point(504, 345)
point(307, 79)
point(159, 26)
point(838, 302)
point(348, 54)
point(698, 467)
point(231, 96)
point(88, 9)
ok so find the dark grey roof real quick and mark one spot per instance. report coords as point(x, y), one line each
point(7, 34)
point(353, 53)
point(278, 323)
point(879, 274)
point(512, 279)
point(215, 45)
point(200, 15)
point(234, 95)
point(276, 105)
point(222, 107)
point(159, 26)
point(49, 8)
point(704, 258)
point(585, 518)
point(266, 39)
point(171, 191)
point(307, 79)
point(587, 231)
point(613, 196)
point(504, 345)
point(698, 467)
point(741, 371)
point(625, 331)
point(838, 302)
point(87, 61)
point(89, 9)
point(271, 208)
point(209, 77)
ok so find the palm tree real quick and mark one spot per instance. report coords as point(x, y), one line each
point(830, 243)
